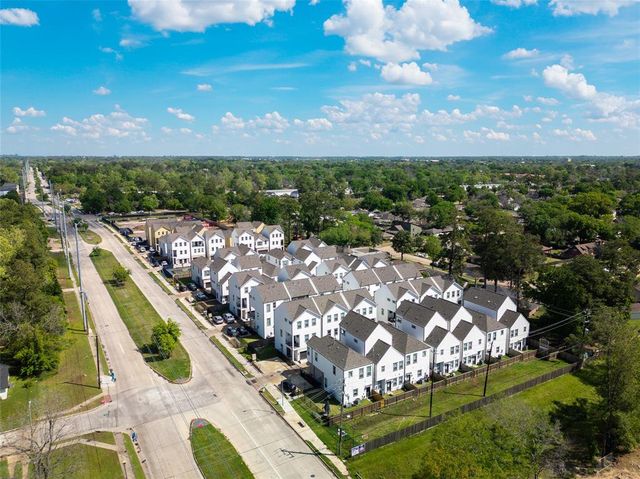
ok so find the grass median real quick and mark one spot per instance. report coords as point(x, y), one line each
point(215, 455)
point(90, 237)
point(138, 472)
point(140, 317)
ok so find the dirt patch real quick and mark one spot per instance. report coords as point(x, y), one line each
point(626, 467)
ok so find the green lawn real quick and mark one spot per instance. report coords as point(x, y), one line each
point(62, 270)
point(140, 317)
point(74, 382)
point(91, 237)
point(138, 472)
point(401, 459)
point(215, 455)
point(264, 392)
point(4, 469)
point(232, 359)
point(86, 462)
point(100, 436)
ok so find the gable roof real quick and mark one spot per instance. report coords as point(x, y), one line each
point(403, 342)
point(447, 309)
point(510, 317)
point(436, 337)
point(484, 297)
point(485, 323)
point(358, 326)
point(246, 262)
point(272, 292)
point(217, 264)
point(377, 352)
point(462, 330)
point(415, 313)
point(337, 353)
point(200, 262)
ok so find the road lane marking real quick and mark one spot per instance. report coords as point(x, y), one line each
point(259, 448)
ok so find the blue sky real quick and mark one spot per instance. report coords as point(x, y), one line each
point(324, 77)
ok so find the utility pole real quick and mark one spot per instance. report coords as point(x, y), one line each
point(433, 367)
point(65, 240)
point(98, 357)
point(486, 378)
point(340, 426)
point(82, 306)
point(583, 340)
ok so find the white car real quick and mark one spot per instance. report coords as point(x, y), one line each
point(228, 318)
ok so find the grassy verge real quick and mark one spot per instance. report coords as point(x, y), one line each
point(74, 382)
point(232, 359)
point(62, 270)
point(140, 317)
point(214, 454)
point(80, 461)
point(90, 237)
point(4, 469)
point(159, 281)
point(100, 436)
point(138, 472)
point(325, 460)
point(192, 316)
point(264, 392)
point(403, 458)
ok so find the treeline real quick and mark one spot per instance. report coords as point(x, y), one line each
point(32, 320)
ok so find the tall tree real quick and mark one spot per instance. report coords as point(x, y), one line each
point(402, 242)
point(455, 248)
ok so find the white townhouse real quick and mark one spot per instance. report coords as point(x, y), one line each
point(343, 373)
point(181, 248)
point(214, 240)
point(232, 252)
point(309, 244)
point(361, 333)
point(453, 313)
point(248, 263)
point(390, 296)
point(487, 302)
point(294, 271)
point(264, 299)
point(335, 267)
point(244, 237)
point(240, 285)
point(446, 288)
point(446, 350)
point(495, 332)
point(373, 278)
point(279, 258)
point(417, 354)
point(309, 258)
point(473, 343)
point(418, 321)
point(221, 271)
point(274, 235)
point(201, 272)
point(518, 329)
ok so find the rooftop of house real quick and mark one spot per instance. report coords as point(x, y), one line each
point(337, 353)
point(462, 330)
point(436, 337)
point(445, 308)
point(484, 297)
point(415, 313)
point(509, 318)
point(358, 326)
point(403, 342)
point(200, 262)
point(485, 323)
point(377, 352)
point(272, 292)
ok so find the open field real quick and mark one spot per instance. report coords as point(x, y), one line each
point(140, 317)
point(402, 459)
point(215, 455)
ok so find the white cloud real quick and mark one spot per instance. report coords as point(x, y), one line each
point(130, 42)
point(17, 126)
point(232, 122)
point(567, 61)
point(166, 130)
point(453, 97)
point(197, 15)
point(392, 34)
point(270, 121)
point(573, 84)
point(471, 136)
point(433, 67)
point(405, 74)
point(528, 98)
point(318, 124)
point(496, 135)
point(443, 117)
point(31, 111)
point(96, 14)
point(204, 87)
point(520, 53)
point(567, 8)
point(352, 66)
point(117, 124)
point(575, 135)
point(514, 3)
point(102, 91)
point(181, 115)
point(19, 17)
point(185, 131)
point(548, 101)
point(366, 63)
point(118, 56)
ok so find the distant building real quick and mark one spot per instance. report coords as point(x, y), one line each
point(293, 193)
point(7, 188)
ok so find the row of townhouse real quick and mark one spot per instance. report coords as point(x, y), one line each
point(367, 356)
point(181, 242)
point(436, 333)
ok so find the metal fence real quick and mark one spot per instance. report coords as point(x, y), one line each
point(421, 390)
point(435, 420)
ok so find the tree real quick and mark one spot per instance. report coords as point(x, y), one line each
point(120, 275)
point(431, 246)
point(404, 210)
point(526, 258)
point(442, 214)
point(402, 242)
point(240, 212)
point(93, 201)
point(164, 337)
point(455, 249)
point(149, 202)
point(592, 203)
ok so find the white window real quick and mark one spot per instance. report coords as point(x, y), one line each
point(361, 373)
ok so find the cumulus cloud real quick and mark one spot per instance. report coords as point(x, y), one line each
point(166, 130)
point(270, 121)
point(496, 135)
point(197, 15)
point(548, 101)
point(102, 91)
point(405, 74)
point(392, 34)
point(180, 115)
point(130, 42)
point(514, 3)
point(567, 8)
point(575, 135)
point(453, 97)
point(117, 124)
point(18, 126)
point(352, 66)
point(520, 53)
point(31, 111)
point(19, 17)
point(455, 116)
point(204, 87)
point(232, 122)
point(314, 124)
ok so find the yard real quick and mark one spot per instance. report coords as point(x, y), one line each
point(82, 461)
point(401, 459)
point(214, 454)
point(74, 382)
point(412, 411)
point(140, 317)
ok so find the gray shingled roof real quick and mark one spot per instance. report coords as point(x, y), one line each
point(484, 297)
point(462, 330)
point(436, 337)
point(217, 264)
point(365, 277)
point(247, 262)
point(200, 262)
point(357, 325)
point(485, 323)
point(377, 352)
point(415, 313)
point(299, 288)
point(325, 284)
point(326, 252)
point(403, 342)
point(447, 309)
point(272, 292)
point(509, 318)
point(337, 353)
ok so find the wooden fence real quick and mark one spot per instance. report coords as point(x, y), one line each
point(435, 420)
point(425, 389)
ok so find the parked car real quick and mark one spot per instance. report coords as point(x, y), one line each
point(230, 331)
point(152, 250)
point(192, 286)
point(288, 387)
point(217, 320)
point(142, 249)
point(200, 296)
point(242, 331)
point(228, 318)
point(164, 263)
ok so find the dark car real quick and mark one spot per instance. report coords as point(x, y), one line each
point(288, 387)
point(200, 296)
point(242, 331)
point(192, 286)
point(230, 331)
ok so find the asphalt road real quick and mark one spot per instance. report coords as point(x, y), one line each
point(161, 412)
